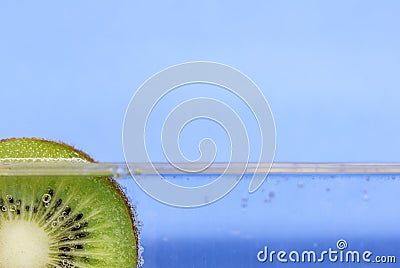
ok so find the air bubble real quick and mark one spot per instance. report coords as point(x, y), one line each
point(4, 208)
point(9, 198)
point(244, 202)
point(18, 203)
point(141, 250)
point(64, 214)
point(54, 224)
point(365, 195)
point(46, 198)
point(13, 208)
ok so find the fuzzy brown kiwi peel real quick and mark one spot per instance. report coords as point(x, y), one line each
point(62, 221)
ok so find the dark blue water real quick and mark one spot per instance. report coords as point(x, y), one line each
point(294, 214)
point(243, 253)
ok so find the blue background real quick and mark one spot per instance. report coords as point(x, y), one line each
point(329, 69)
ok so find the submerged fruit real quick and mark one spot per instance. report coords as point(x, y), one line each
point(62, 221)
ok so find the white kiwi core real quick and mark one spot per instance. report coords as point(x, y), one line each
point(23, 244)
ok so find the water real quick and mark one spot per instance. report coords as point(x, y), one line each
point(290, 212)
point(302, 216)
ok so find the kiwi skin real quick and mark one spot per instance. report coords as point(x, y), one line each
point(66, 146)
point(72, 152)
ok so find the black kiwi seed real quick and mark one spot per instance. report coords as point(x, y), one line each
point(53, 209)
point(64, 249)
point(10, 199)
point(79, 227)
point(80, 215)
point(67, 211)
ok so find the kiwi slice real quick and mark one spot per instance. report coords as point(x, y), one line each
point(62, 221)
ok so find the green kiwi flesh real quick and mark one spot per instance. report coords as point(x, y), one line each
point(62, 221)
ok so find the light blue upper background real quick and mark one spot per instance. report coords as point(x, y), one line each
point(329, 70)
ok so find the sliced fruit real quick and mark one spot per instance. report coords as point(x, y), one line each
point(62, 221)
